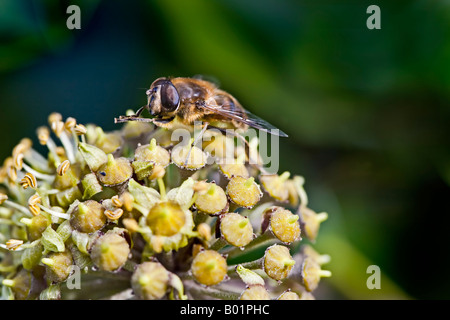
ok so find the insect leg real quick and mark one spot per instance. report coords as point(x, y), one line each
point(122, 119)
point(135, 117)
point(199, 136)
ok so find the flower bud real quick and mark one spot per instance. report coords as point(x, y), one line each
point(114, 171)
point(311, 273)
point(25, 285)
point(153, 153)
point(255, 292)
point(284, 225)
point(275, 185)
point(319, 258)
point(57, 266)
point(188, 157)
point(234, 170)
point(31, 256)
point(88, 217)
point(278, 262)
point(108, 142)
point(311, 221)
point(209, 267)
point(110, 251)
point(150, 281)
point(236, 229)
point(166, 219)
point(212, 201)
point(243, 192)
point(248, 276)
point(204, 230)
point(37, 226)
point(288, 295)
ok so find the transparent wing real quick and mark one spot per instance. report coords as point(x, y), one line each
point(246, 117)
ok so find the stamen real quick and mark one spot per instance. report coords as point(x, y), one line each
point(3, 198)
point(70, 123)
point(13, 244)
point(57, 128)
point(114, 215)
point(17, 207)
point(39, 175)
point(43, 134)
point(34, 199)
point(68, 146)
point(63, 167)
point(29, 181)
point(116, 201)
point(18, 161)
point(80, 129)
point(55, 213)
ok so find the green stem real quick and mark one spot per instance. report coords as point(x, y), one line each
point(192, 287)
point(218, 244)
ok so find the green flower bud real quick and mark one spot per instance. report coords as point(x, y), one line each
point(68, 196)
point(110, 251)
point(255, 292)
point(153, 153)
point(88, 217)
point(288, 295)
point(188, 157)
point(284, 225)
point(57, 266)
point(275, 185)
point(249, 277)
point(31, 256)
point(108, 142)
point(37, 226)
point(243, 192)
point(319, 258)
point(81, 260)
point(114, 171)
point(311, 221)
point(234, 170)
point(311, 273)
point(25, 285)
point(212, 201)
point(150, 281)
point(53, 292)
point(278, 262)
point(70, 178)
point(166, 219)
point(209, 267)
point(236, 229)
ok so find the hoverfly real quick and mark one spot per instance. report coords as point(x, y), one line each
point(182, 101)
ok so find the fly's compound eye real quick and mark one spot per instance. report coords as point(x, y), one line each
point(170, 99)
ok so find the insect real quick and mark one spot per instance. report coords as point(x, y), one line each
point(182, 101)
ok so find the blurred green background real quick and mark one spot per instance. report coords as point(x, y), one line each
point(367, 111)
